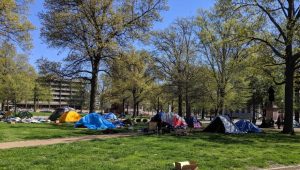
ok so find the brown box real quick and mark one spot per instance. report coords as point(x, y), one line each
point(186, 165)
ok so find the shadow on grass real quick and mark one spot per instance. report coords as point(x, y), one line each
point(244, 139)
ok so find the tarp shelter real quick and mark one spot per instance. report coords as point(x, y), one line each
point(70, 117)
point(110, 116)
point(247, 126)
point(58, 112)
point(95, 121)
point(222, 124)
point(173, 119)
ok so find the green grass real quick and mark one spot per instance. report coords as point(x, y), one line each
point(22, 131)
point(211, 151)
point(41, 113)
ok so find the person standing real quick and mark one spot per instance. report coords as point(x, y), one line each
point(279, 121)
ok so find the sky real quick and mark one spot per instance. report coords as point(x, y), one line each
point(177, 9)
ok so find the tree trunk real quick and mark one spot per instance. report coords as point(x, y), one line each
point(172, 106)
point(222, 103)
point(203, 113)
point(134, 103)
point(297, 100)
point(134, 110)
point(7, 105)
point(187, 104)
point(123, 105)
point(179, 101)
point(34, 104)
point(297, 116)
point(2, 105)
point(15, 106)
point(288, 97)
point(157, 105)
point(137, 109)
point(94, 87)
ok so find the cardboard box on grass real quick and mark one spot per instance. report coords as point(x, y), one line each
point(186, 165)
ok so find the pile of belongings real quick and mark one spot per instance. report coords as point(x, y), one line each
point(94, 121)
point(5, 115)
point(2, 114)
point(113, 119)
point(247, 126)
point(13, 119)
point(58, 112)
point(193, 122)
point(25, 120)
point(173, 119)
point(65, 115)
point(222, 124)
point(296, 124)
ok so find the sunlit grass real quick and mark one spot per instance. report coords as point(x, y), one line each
point(211, 151)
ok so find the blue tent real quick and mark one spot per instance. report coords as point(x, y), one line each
point(110, 115)
point(95, 121)
point(247, 126)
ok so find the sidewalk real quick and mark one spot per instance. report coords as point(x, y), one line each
point(42, 142)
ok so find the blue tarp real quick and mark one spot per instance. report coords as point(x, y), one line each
point(110, 115)
point(95, 121)
point(247, 126)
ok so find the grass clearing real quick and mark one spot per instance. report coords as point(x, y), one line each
point(22, 131)
point(211, 151)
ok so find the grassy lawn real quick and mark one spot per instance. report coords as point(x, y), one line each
point(41, 113)
point(211, 151)
point(22, 131)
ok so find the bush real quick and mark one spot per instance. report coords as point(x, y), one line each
point(138, 120)
point(145, 120)
point(23, 115)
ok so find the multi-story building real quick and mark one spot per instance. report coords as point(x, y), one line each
point(64, 93)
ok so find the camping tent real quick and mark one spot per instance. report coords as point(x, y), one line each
point(247, 126)
point(70, 116)
point(94, 121)
point(110, 116)
point(58, 112)
point(173, 119)
point(222, 124)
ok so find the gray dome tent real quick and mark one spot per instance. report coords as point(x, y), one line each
point(222, 124)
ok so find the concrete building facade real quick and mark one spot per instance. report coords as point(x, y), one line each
point(64, 93)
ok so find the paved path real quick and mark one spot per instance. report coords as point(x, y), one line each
point(296, 167)
point(32, 143)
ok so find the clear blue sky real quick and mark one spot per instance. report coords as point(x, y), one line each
point(177, 9)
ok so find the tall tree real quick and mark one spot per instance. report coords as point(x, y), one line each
point(176, 53)
point(131, 77)
point(93, 31)
point(16, 76)
point(14, 25)
point(221, 52)
point(279, 32)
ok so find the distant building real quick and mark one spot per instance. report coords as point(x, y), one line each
point(64, 93)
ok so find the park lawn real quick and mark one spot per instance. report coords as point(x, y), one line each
point(41, 113)
point(22, 131)
point(211, 151)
